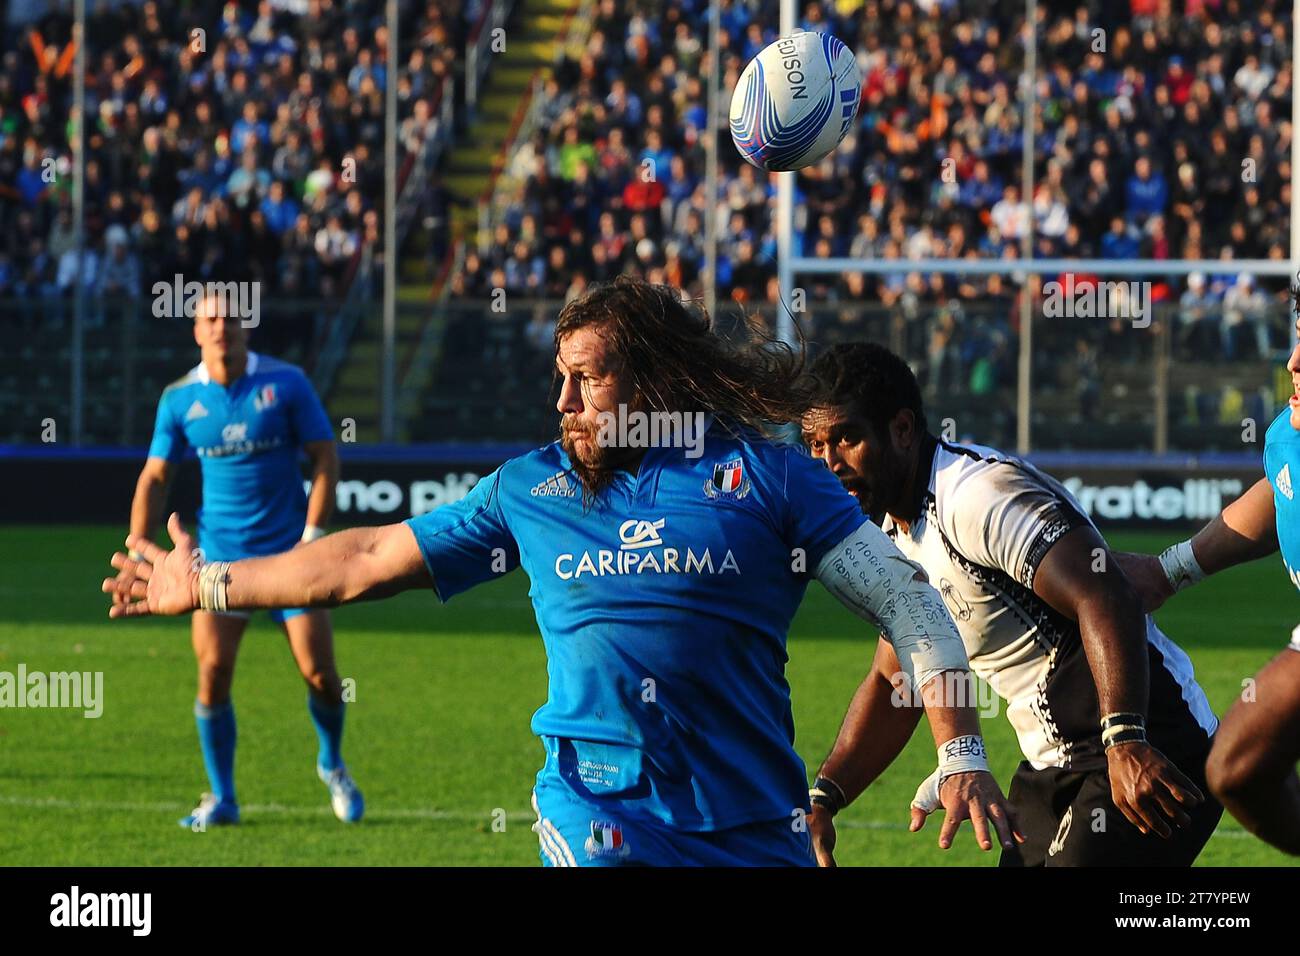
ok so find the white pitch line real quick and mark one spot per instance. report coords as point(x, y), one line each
point(258, 809)
point(395, 813)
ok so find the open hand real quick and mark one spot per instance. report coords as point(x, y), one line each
point(162, 582)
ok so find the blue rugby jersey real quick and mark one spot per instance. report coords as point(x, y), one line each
point(248, 437)
point(664, 612)
point(1281, 451)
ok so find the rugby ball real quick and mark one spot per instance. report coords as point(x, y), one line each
point(795, 101)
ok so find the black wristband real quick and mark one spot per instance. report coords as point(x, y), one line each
point(1115, 720)
point(826, 793)
point(1126, 736)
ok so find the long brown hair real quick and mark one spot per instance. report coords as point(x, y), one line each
point(678, 360)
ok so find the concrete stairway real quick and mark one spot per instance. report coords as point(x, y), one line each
point(532, 34)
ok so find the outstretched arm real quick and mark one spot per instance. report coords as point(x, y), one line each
point(359, 564)
point(1244, 531)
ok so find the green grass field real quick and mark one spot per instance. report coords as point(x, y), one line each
point(438, 736)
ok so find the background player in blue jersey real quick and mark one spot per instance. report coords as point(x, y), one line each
point(249, 417)
point(1252, 767)
point(664, 579)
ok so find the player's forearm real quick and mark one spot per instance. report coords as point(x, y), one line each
point(324, 480)
point(320, 501)
point(147, 505)
point(1113, 630)
point(1245, 531)
point(874, 732)
point(947, 699)
point(337, 569)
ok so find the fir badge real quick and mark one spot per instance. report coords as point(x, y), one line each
point(728, 480)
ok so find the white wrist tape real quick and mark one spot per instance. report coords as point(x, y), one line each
point(311, 533)
point(964, 754)
point(869, 575)
point(959, 755)
point(214, 579)
point(1181, 567)
point(927, 794)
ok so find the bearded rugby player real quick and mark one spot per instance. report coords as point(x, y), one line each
point(1097, 695)
point(646, 564)
point(1253, 764)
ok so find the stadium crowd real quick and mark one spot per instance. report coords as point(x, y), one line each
point(226, 141)
point(1163, 132)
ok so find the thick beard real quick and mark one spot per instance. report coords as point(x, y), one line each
point(594, 476)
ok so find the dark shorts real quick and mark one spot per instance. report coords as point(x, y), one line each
point(1068, 819)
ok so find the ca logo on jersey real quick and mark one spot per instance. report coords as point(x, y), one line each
point(1283, 481)
point(635, 533)
point(235, 431)
point(642, 550)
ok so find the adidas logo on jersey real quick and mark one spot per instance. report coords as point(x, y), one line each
point(196, 411)
point(556, 486)
point(1284, 481)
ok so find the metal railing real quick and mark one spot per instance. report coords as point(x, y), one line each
point(1174, 381)
point(444, 114)
point(1186, 377)
point(478, 50)
point(128, 357)
point(359, 299)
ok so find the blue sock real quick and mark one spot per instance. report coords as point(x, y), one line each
point(217, 739)
point(329, 730)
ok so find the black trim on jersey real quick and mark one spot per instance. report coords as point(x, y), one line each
point(1066, 702)
point(1067, 518)
point(924, 475)
point(1052, 630)
point(1056, 528)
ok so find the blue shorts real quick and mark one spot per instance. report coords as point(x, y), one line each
point(573, 831)
point(277, 614)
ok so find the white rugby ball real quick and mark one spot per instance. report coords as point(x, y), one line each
point(795, 101)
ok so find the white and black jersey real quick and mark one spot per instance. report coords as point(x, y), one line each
point(986, 520)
